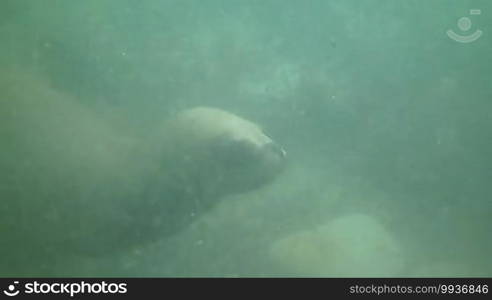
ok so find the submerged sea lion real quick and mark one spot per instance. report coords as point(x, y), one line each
point(72, 184)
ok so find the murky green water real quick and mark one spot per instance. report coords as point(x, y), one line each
point(385, 118)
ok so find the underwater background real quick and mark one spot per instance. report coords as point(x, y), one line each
point(387, 122)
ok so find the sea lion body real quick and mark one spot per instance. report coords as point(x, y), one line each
point(72, 184)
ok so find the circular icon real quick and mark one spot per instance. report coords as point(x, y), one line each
point(464, 23)
point(11, 290)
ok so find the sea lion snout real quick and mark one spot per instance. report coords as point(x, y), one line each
point(275, 149)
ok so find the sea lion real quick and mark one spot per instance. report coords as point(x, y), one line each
point(72, 184)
